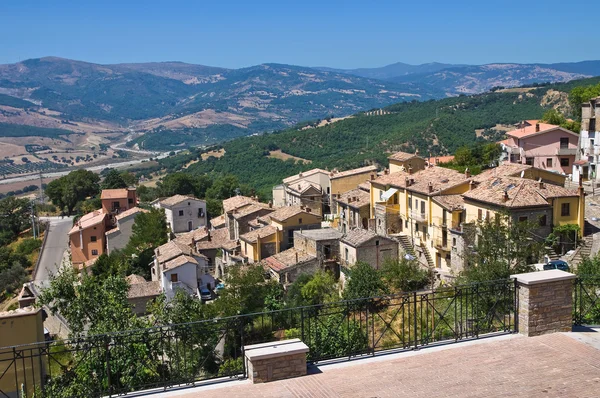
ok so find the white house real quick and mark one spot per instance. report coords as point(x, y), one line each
point(588, 154)
point(183, 213)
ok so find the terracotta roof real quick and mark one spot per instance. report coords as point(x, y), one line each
point(450, 202)
point(287, 212)
point(403, 156)
point(88, 220)
point(171, 250)
point(133, 278)
point(114, 193)
point(144, 289)
point(396, 179)
point(263, 232)
point(113, 231)
point(365, 186)
point(521, 192)
point(218, 222)
point(287, 258)
point(360, 170)
point(530, 129)
point(176, 199)
point(188, 237)
point(130, 212)
point(303, 174)
point(355, 198)
point(503, 170)
point(236, 202)
point(321, 234)
point(581, 162)
point(219, 239)
point(435, 160)
point(178, 262)
point(251, 209)
point(303, 186)
point(358, 236)
point(439, 178)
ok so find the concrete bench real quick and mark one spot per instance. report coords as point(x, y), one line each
point(276, 360)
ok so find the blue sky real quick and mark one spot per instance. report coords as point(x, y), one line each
point(345, 34)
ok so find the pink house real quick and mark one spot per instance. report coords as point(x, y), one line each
point(541, 145)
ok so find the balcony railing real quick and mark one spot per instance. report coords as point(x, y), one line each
point(418, 215)
point(182, 354)
point(441, 244)
point(566, 151)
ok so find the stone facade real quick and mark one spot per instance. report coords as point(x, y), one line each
point(276, 360)
point(545, 301)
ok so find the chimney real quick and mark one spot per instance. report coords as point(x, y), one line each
point(537, 127)
point(300, 175)
point(270, 204)
point(506, 196)
point(430, 187)
point(406, 182)
point(208, 237)
point(193, 242)
point(410, 170)
point(386, 171)
point(372, 176)
point(417, 152)
point(467, 173)
point(541, 183)
point(296, 257)
point(157, 252)
point(471, 185)
point(299, 186)
point(308, 209)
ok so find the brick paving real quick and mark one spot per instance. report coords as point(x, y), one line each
point(555, 365)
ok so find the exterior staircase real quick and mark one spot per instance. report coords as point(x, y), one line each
point(406, 243)
point(428, 257)
point(583, 251)
point(551, 253)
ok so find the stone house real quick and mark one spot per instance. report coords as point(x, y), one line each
point(324, 244)
point(403, 161)
point(118, 237)
point(184, 213)
point(352, 208)
point(141, 292)
point(290, 219)
point(286, 266)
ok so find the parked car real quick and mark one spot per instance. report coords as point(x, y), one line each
point(205, 295)
point(557, 264)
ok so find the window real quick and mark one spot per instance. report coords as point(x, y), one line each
point(130, 200)
point(422, 207)
point(299, 221)
point(522, 218)
point(173, 277)
point(93, 239)
point(564, 142)
point(453, 242)
point(346, 254)
point(189, 203)
point(564, 162)
point(549, 162)
point(487, 215)
point(416, 227)
point(180, 213)
point(94, 252)
point(376, 243)
point(497, 218)
point(479, 214)
point(529, 161)
point(543, 221)
point(410, 203)
point(115, 205)
point(565, 210)
point(200, 212)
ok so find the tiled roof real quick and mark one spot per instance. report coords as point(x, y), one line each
point(144, 289)
point(402, 156)
point(355, 198)
point(133, 278)
point(287, 212)
point(178, 262)
point(171, 250)
point(520, 192)
point(88, 220)
point(450, 202)
point(358, 236)
point(530, 129)
point(286, 259)
point(188, 237)
point(360, 170)
point(250, 209)
point(365, 186)
point(130, 212)
point(503, 170)
point(439, 178)
point(219, 239)
point(218, 222)
point(263, 232)
point(435, 160)
point(303, 174)
point(321, 234)
point(114, 193)
point(236, 202)
point(176, 199)
point(303, 186)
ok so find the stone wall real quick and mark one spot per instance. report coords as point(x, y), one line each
point(262, 371)
point(545, 300)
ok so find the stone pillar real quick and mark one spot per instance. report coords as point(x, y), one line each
point(545, 300)
point(275, 360)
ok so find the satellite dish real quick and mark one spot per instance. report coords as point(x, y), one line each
point(523, 174)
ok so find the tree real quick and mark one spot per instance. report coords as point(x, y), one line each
point(15, 215)
point(365, 281)
point(502, 247)
point(114, 180)
point(582, 94)
point(463, 156)
point(245, 290)
point(149, 231)
point(314, 289)
point(75, 187)
point(181, 183)
point(404, 275)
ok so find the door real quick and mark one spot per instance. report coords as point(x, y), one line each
point(190, 226)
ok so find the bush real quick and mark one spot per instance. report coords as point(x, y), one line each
point(28, 246)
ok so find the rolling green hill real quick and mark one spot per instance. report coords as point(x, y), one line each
point(433, 127)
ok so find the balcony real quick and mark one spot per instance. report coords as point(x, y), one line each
point(456, 227)
point(441, 244)
point(566, 151)
point(418, 215)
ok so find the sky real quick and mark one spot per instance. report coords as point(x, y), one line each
point(340, 34)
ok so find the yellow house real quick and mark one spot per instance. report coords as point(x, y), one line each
point(403, 161)
point(261, 243)
point(19, 327)
point(345, 181)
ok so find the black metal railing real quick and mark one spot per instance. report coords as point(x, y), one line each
point(586, 300)
point(179, 355)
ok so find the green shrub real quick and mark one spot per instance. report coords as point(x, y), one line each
point(28, 246)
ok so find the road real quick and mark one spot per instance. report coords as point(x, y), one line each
point(56, 244)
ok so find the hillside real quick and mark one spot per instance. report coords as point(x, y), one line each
point(433, 127)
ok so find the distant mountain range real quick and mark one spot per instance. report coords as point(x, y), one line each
point(173, 96)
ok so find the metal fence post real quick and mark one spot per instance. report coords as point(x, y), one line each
point(415, 319)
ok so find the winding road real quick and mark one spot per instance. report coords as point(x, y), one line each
point(53, 251)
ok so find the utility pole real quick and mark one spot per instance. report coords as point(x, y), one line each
point(32, 204)
point(41, 189)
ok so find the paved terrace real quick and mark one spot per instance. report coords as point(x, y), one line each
point(554, 365)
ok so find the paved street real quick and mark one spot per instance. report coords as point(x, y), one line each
point(56, 244)
point(554, 365)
